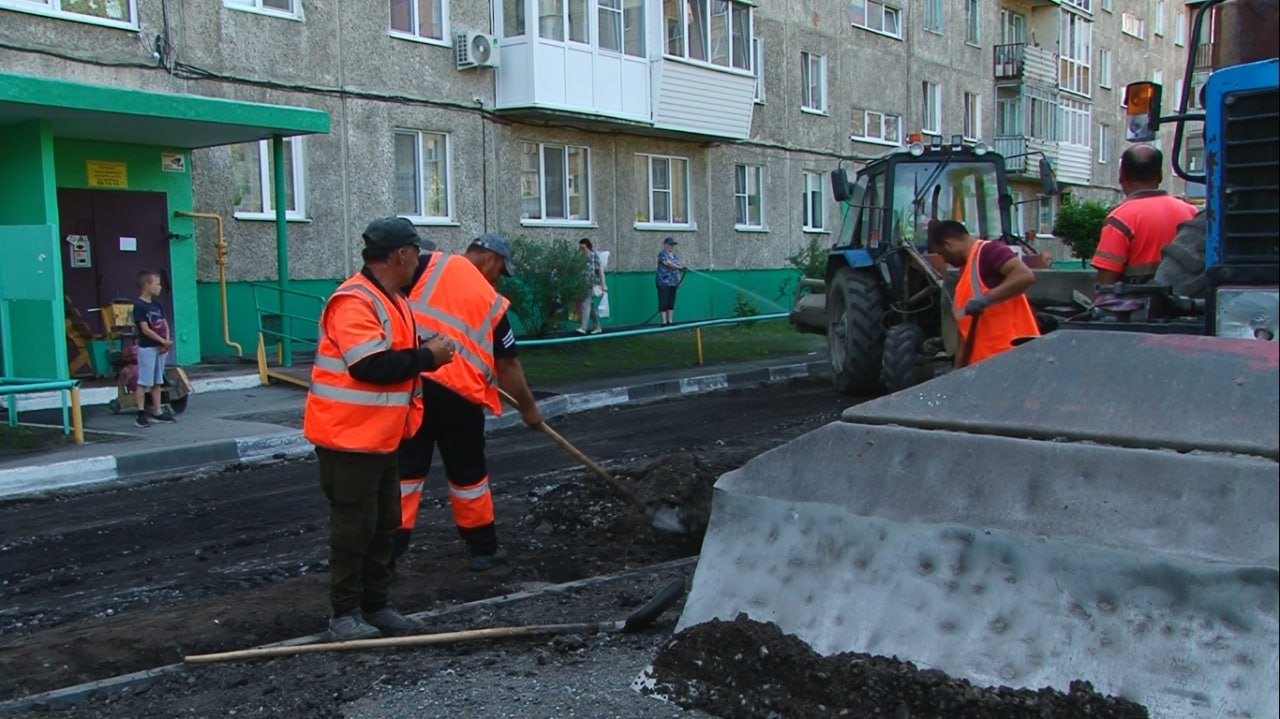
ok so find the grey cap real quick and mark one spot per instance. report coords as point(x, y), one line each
point(499, 247)
point(388, 233)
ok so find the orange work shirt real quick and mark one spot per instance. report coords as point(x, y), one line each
point(1135, 232)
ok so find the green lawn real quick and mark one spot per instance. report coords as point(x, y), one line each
point(603, 356)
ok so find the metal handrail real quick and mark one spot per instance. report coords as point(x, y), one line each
point(1007, 61)
point(68, 391)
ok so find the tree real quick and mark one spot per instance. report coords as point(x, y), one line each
point(552, 278)
point(1079, 225)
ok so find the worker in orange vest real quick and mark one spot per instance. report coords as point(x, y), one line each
point(455, 295)
point(990, 305)
point(364, 385)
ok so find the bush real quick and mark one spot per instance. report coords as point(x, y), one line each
point(810, 260)
point(550, 282)
point(1079, 225)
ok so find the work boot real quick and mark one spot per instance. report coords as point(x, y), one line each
point(485, 562)
point(390, 622)
point(141, 420)
point(350, 626)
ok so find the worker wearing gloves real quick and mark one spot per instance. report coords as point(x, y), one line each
point(455, 295)
point(992, 288)
point(363, 384)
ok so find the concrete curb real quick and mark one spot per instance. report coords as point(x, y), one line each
point(26, 481)
point(92, 396)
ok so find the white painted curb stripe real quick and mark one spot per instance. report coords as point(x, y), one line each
point(29, 480)
point(92, 396)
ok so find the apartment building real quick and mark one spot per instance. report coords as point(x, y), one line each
point(715, 121)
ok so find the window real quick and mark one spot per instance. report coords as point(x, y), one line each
point(1075, 48)
point(1013, 27)
point(1159, 22)
point(253, 181)
point(1104, 144)
point(666, 183)
point(714, 31)
point(1180, 29)
point(815, 217)
point(1104, 69)
point(513, 18)
point(1108, 5)
point(877, 17)
point(422, 188)
point(1009, 117)
point(120, 13)
point(933, 15)
point(1133, 25)
point(420, 18)
point(287, 7)
point(1074, 121)
point(621, 26)
point(931, 107)
point(1195, 154)
point(972, 116)
point(1042, 116)
point(1086, 5)
point(757, 62)
point(972, 29)
point(1046, 216)
point(878, 127)
point(555, 183)
point(1198, 79)
point(747, 197)
point(813, 82)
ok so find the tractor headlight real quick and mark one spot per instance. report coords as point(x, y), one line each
point(1248, 312)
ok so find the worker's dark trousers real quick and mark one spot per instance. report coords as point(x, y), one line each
point(364, 511)
point(456, 426)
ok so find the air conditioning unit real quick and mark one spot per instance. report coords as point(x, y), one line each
point(475, 49)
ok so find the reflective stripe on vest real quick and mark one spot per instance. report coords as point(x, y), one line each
point(474, 491)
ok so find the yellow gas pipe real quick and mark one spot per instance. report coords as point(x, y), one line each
point(220, 256)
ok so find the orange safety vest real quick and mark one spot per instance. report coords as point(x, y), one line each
point(343, 413)
point(1002, 322)
point(453, 298)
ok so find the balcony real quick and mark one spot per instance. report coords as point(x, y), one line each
point(1204, 56)
point(588, 77)
point(1019, 62)
point(1021, 161)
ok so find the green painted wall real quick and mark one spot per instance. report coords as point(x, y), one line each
point(28, 197)
point(632, 300)
point(145, 174)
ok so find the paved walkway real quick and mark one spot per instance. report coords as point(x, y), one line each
point(232, 419)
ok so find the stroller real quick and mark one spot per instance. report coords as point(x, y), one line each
point(124, 363)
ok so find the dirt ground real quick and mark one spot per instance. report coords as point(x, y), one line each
point(95, 585)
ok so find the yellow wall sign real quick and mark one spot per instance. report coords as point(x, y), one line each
point(107, 174)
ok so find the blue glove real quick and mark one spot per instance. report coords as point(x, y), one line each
point(976, 305)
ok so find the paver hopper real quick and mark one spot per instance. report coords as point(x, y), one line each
point(1098, 506)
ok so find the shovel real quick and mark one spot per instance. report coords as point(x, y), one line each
point(663, 515)
point(639, 619)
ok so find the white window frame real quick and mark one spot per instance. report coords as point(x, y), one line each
point(973, 22)
point(566, 188)
point(880, 120)
point(631, 37)
point(685, 26)
point(650, 223)
point(295, 147)
point(1045, 220)
point(1013, 27)
point(1180, 28)
point(1084, 5)
point(972, 116)
point(1074, 121)
point(53, 8)
point(1133, 26)
point(811, 221)
point(882, 11)
point(933, 16)
point(1075, 51)
point(757, 64)
point(256, 6)
point(1104, 143)
point(930, 104)
point(748, 182)
point(1158, 24)
point(808, 67)
point(420, 216)
point(445, 39)
point(1108, 5)
point(1104, 69)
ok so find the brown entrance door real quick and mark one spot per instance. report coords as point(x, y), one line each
point(127, 232)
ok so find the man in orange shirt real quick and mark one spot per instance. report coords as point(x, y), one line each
point(1140, 226)
point(990, 295)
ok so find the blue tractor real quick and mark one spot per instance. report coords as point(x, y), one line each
point(1220, 275)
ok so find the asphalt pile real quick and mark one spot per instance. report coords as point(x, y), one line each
point(745, 669)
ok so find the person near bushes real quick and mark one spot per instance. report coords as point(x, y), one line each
point(593, 270)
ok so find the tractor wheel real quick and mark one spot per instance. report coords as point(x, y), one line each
point(855, 335)
point(900, 363)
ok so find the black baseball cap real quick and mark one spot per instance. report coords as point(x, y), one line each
point(669, 240)
point(388, 233)
point(499, 247)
